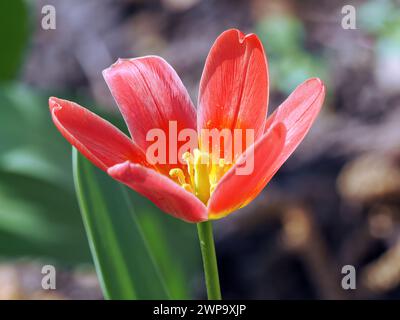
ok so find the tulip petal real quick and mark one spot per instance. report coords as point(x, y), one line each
point(234, 85)
point(298, 112)
point(166, 194)
point(150, 95)
point(237, 190)
point(97, 139)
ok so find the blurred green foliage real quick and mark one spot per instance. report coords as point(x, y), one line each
point(14, 27)
point(381, 18)
point(39, 215)
point(290, 63)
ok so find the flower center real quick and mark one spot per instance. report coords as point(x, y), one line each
point(204, 172)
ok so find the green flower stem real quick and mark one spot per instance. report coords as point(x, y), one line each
point(207, 246)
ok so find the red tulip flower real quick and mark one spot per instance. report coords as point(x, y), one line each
point(233, 95)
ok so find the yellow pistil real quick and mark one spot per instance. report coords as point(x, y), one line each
point(203, 171)
point(201, 175)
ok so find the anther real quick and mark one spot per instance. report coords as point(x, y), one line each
point(178, 175)
point(188, 158)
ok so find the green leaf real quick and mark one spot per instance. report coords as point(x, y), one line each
point(173, 243)
point(39, 215)
point(30, 144)
point(14, 36)
point(124, 263)
point(40, 219)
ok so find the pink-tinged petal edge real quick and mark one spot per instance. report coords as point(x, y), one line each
point(234, 85)
point(150, 95)
point(166, 194)
point(298, 112)
point(97, 139)
point(235, 191)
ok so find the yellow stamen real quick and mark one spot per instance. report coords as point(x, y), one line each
point(204, 173)
point(188, 158)
point(212, 188)
point(187, 187)
point(178, 175)
point(217, 171)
